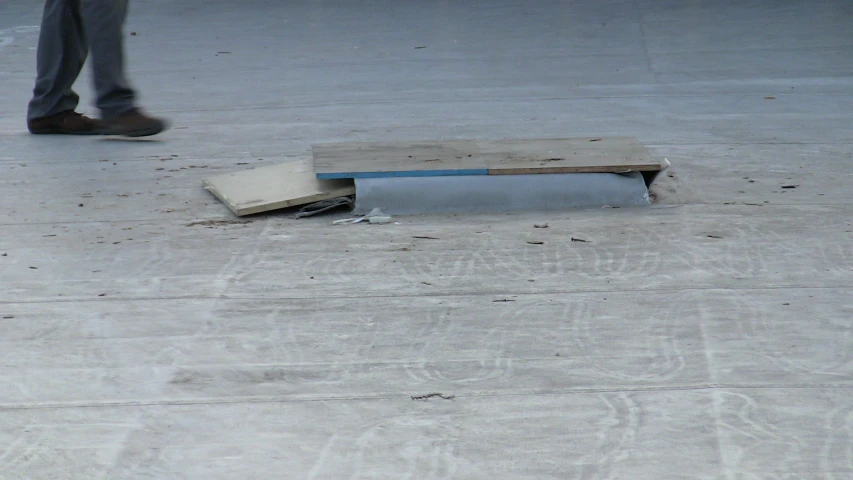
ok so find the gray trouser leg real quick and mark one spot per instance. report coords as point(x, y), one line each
point(61, 54)
point(70, 28)
point(103, 21)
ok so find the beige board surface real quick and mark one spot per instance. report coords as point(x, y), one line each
point(351, 160)
point(274, 187)
point(571, 155)
point(493, 157)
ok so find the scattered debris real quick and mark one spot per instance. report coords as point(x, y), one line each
point(426, 283)
point(424, 237)
point(433, 395)
point(574, 239)
point(503, 300)
point(770, 98)
point(34, 268)
point(133, 34)
point(714, 236)
point(217, 223)
point(102, 294)
point(790, 186)
point(80, 205)
point(418, 48)
point(596, 139)
point(376, 216)
point(224, 52)
point(379, 219)
point(540, 225)
point(316, 208)
point(786, 304)
point(536, 242)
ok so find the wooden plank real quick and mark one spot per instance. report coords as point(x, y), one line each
point(274, 187)
point(576, 155)
point(382, 160)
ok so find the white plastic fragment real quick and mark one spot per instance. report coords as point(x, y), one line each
point(375, 217)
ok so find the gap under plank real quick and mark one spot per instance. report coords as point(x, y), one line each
point(499, 193)
point(274, 187)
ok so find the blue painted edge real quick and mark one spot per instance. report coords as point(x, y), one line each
point(408, 173)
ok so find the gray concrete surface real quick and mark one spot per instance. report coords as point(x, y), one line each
point(705, 337)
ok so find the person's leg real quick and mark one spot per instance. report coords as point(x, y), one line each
point(104, 23)
point(62, 51)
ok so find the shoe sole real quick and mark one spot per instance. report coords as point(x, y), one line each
point(142, 132)
point(59, 131)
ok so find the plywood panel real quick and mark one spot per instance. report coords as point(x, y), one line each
point(496, 157)
point(277, 186)
point(576, 155)
point(417, 159)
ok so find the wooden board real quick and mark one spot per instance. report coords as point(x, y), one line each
point(576, 155)
point(499, 157)
point(277, 186)
point(382, 160)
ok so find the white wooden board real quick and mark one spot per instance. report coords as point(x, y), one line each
point(497, 157)
point(274, 187)
point(567, 155)
point(401, 159)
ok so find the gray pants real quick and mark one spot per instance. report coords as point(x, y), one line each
point(69, 30)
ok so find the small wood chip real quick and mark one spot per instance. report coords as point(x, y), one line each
point(424, 237)
point(574, 239)
point(536, 242)
point(714, 236)
point(790, 186)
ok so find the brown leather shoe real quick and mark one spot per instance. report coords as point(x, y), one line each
point(68, 122)
point(134, 123)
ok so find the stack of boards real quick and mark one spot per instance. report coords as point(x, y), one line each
point(451, 176)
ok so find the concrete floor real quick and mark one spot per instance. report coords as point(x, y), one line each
point(705, 337)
